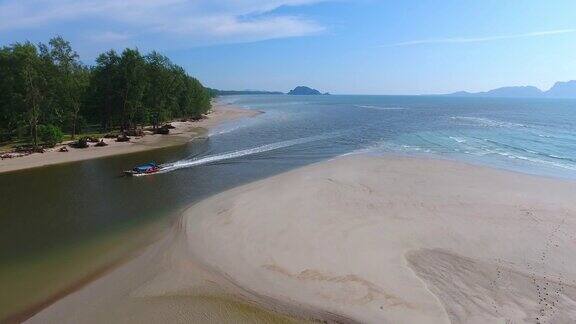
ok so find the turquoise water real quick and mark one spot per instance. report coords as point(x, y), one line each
point(536, 136)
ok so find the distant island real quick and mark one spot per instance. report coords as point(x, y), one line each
point(559, 90)
point(302, 90)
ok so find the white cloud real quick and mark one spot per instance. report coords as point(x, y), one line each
point(108, 37)
point(191, 20)
point(481, 39)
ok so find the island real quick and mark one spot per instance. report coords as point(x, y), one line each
point(559, 90)
point(305, 91)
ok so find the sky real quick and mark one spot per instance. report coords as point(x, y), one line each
point(340, 46)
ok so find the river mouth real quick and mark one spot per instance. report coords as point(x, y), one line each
point(61, 223)
point(64, 225)
point(36, 282)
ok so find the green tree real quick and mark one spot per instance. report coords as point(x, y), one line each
point(9, 112)
point(104, 89)
point(132, 85)
point(71, 81)
point(29, 86)
point(47, 84)
point(160, 82)
point(50, 134)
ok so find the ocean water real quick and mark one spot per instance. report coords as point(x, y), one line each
point(536, 136)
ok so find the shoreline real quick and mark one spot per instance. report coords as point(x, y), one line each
point(135, 241)
point(182, 134)
point(370, 239)
point(162, 260)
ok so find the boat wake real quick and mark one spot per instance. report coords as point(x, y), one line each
point(169, 167)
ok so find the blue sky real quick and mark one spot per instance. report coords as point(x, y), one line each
point(342, 46)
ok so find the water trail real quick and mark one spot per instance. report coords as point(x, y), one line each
point(187, 163)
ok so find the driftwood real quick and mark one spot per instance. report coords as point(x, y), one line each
point(101, 143)
point(162, 130)
point(28, 149)
point(197, 118)
point(122, 138)
point(134, 132)
point(80, 143)
point(11, 155)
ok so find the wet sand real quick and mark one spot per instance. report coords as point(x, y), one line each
point(399, 240)
point(356, 239)
point(183, 133)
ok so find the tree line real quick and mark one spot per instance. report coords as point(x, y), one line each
point(46, 86)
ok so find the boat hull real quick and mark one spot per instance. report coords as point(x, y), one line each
point(131, 173)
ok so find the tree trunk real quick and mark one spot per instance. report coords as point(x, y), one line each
point(33, 99)
point(76, 107)
point(35, 134)
point(34, 122)
point(74, 118)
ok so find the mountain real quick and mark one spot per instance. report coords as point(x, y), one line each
point(460, 94)
point(559, 90)
point(563, 90)
point(516, 92)
point(510, 92)
point(302, 90)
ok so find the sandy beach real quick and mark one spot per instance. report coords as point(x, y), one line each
point(356, 239)
point(183, 133)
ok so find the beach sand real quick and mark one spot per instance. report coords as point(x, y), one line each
point(355, 239)
point(183, 133)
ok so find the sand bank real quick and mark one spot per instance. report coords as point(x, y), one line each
point(183, 133)
point(376, 240)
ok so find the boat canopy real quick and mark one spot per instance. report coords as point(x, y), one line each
point(145, 167)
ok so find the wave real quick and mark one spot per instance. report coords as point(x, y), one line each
point(538, 161)
point(486, 122)
point(458, 139)
point(225, 130)
point(475, 147)
point(486, 146)
point(187, 163)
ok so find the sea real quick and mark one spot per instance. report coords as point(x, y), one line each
point(536, 136)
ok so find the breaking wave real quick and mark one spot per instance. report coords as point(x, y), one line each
point(484, 122)
point(470, 146)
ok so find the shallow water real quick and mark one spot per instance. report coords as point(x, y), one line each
point(56, 219)
point(529, 135)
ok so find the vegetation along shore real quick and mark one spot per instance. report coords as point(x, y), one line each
point(47, 96)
